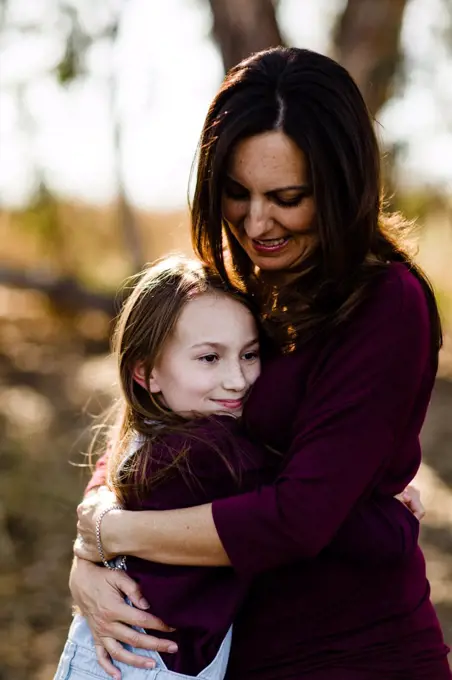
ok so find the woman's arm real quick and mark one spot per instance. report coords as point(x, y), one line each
point(346, 434)
point(186, 537)
point(384, 529)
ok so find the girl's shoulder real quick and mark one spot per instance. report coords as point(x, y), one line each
point(212, 458)
point(210, 445)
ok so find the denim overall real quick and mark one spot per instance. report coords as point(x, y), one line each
point(79, 661)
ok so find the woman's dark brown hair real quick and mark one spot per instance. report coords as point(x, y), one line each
point(315, 102)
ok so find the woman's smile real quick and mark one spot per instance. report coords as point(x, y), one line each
point(271, 245)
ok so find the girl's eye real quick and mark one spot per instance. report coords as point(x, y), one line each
point(251, 356)
point(209, 358)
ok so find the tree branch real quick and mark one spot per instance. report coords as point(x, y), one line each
point(63, 292)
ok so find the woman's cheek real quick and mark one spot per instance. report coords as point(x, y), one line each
point(233, 213)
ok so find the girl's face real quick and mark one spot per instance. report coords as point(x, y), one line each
point(210, 362)
point(267, 201)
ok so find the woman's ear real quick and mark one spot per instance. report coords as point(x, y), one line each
point(139, 375)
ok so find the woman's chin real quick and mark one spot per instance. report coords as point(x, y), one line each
point(275, 264)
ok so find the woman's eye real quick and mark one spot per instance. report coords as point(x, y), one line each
point(236, 194)
point(289, 203)
point(209, 358)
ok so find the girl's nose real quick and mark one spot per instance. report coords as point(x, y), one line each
point(234, 379)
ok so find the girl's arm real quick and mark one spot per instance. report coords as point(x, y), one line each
point(346, 434)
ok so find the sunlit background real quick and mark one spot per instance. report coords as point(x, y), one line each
point(101, 106)
point(155, 78)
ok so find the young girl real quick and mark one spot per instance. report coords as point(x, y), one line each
point(187, 351)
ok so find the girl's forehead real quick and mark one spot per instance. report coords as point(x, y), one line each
point(213, 315)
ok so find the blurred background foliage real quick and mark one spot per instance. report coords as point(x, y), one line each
point(64, 251)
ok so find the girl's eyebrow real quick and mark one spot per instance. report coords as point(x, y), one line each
point(292, 187)
point(206, 343)
point(219, 345)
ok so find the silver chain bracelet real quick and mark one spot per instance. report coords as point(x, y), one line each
point(122, 562)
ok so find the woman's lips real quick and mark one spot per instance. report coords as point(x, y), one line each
point(272, 245)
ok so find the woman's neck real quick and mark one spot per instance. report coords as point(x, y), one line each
point(273, 280)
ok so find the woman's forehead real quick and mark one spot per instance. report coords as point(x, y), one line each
point(271, 157)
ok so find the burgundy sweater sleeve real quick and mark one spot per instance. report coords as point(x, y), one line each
point(381, 529)
point(356, 407)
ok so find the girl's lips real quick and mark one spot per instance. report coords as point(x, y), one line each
point(230, 403)
point(271, 246)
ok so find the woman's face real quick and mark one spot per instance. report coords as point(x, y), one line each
point(267, 201)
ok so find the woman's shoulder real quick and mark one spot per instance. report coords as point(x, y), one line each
point(396, 297)
point(402, 280)
point(392, 317)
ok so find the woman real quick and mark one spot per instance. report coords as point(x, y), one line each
point(289, 181)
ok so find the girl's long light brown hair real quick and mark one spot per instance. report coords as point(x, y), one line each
point(146, 321)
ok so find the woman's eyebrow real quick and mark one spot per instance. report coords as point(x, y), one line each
point(292, 187)
point(298, 187)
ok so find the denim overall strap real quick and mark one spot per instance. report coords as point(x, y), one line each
point(216, 670)
point(79, 660)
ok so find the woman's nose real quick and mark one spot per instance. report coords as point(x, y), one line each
point(256, 222)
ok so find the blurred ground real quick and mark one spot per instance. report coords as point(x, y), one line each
point(54, 373)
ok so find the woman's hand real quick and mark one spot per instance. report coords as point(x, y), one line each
point(411, 497)
point(88, 513)
point(99, 594)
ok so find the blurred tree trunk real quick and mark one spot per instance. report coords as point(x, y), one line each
point(367, 43)
point(242, 27)
point(71, 67)
point(126, 215)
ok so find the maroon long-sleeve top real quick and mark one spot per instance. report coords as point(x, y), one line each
point(347, 413)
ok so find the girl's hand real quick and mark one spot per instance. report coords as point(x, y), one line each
point(411, 497)
point(99, 594)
